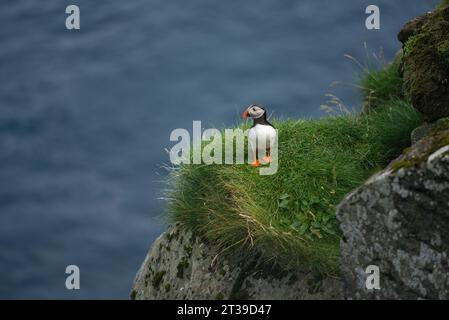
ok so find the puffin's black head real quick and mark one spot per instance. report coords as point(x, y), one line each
point(254, 111)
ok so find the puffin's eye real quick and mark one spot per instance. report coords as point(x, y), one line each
point(254, 109)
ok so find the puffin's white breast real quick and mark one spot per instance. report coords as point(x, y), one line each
point(261, 132)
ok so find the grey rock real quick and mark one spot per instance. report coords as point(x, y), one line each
point(399, 221)
point(182, 266)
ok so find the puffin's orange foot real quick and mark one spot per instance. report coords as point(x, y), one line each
point(256, 163)
point(267, 159)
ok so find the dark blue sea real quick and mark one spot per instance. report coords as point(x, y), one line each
point(85, 116)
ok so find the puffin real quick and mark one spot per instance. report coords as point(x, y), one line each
point(261, 129)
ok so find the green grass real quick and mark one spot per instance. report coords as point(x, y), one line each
point(289, 218)
point(379, 86)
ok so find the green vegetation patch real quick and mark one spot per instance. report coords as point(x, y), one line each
point(157, 279)
point(379, 86)
point(289, 218)
point(426, 65)
point(436, 139)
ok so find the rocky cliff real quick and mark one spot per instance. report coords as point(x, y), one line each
point(182, 266)
point(398, 220)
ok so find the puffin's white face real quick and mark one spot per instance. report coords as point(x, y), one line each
point(253, 111)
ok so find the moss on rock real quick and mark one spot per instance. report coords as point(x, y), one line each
point(421, 150)
point(426, 63)
point(157, 279)
point(182, 265)
point(219, 296)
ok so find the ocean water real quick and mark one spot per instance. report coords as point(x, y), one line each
point(85, 116)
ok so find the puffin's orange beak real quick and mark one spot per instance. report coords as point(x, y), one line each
point(245, 114)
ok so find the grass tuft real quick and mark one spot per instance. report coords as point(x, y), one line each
point(379, 86)
point(289, 217)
